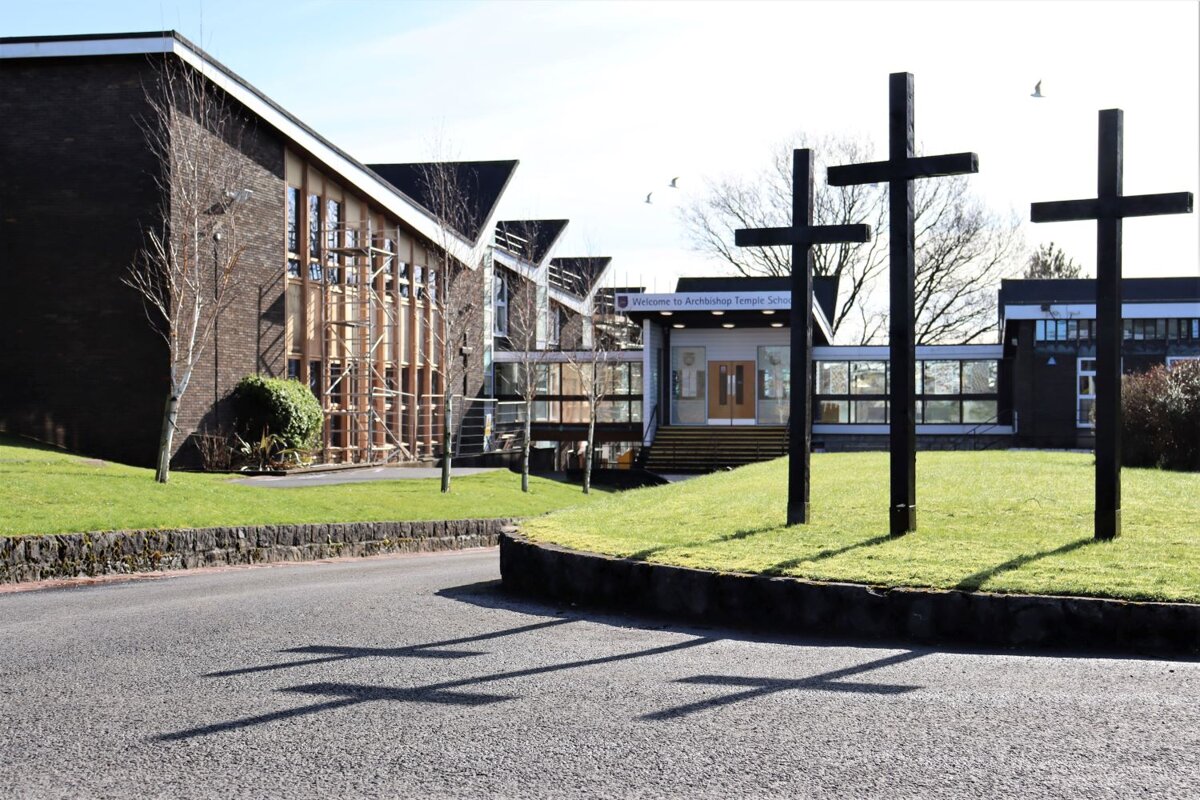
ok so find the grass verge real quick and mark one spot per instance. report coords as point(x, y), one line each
point(47, 491)
point(991, 521)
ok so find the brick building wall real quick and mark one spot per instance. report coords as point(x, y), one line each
point(80, 365)
point(249, 336)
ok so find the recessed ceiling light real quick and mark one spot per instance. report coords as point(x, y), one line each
point(666, 313)
point(726, 324)
point(768, 312)
point(677, 325)
point(718, 313)
point(776, 324)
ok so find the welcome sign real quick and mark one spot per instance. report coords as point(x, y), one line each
point(704, 301)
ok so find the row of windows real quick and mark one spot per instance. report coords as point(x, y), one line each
point(1072, 330)
point(929, 412)
point(946, 376)
point(569, 380)
point(573, 411)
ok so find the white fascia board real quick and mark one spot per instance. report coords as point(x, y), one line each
point(569, 300)
point(562, 357)
point(925, 352)
point(514, 264)
point(822, 321)
point(87, 47)
point(343, 167)
point(1129, 310)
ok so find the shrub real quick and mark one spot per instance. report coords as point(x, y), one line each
point(1160, 412)
point(284, 409)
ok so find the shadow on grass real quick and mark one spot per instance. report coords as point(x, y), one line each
point(642, 555)
point(824, 554)
point(972, 582)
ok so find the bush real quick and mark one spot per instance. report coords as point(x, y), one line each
point(1160, 412)
point(283, 409)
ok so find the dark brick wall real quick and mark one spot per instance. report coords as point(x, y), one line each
point(81, 366)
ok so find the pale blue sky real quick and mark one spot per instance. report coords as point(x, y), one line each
point(604, 101)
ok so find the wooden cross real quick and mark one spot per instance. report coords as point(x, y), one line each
point(899, 171)
point(1108, 208)
point(802, 235)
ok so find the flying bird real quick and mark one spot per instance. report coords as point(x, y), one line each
point(648, 198)
point(674, 183)
point(1037, 90)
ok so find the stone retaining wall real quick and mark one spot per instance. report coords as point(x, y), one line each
point(791, 605)
point(32, 558)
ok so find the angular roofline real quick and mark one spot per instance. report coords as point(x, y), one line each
point(349, 169)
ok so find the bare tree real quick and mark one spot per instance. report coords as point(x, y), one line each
point(187, 268)
point(592, 368)
point(525, 311)
point(449, 201)
point(1049, 261)
point(962, 248)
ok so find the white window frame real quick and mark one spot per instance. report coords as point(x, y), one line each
point(1080, 373)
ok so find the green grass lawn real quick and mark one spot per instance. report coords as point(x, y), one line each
point(48, 491)
point(994, 521)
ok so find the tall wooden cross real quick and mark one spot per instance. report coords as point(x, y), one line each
point(802, 235)
point(1108, 208)
point(899, 171)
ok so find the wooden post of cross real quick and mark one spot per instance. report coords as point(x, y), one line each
point(802, 235)
point(899, 171)
point(1108, 208)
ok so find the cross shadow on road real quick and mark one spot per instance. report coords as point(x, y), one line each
point(345, 694)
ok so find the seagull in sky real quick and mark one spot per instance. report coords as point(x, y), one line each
point(648, 198)
point(674, 183)
point(1037, 90)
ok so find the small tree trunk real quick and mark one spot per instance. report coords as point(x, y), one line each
point(446, 444)
point(587, 464)
point(525, 450)
point(162, 471)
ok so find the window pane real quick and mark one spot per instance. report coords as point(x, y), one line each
point(293, 219)
point(869, 412)
point(941, 377)
point(508, 379)
point(832, 377)
point(613, 411)
point(941, 411)
point(979, 410)
point(575, 411)
point(576, 379)
point(979, 377)
point(1087, 409)
point(833, 411)
point(868, 377)
point(635, 377)
point(688, 399)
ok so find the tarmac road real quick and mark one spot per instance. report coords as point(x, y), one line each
point(414, 676)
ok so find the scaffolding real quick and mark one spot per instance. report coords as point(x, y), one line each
point(361, 346)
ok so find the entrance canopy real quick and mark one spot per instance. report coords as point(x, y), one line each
point(731, 303)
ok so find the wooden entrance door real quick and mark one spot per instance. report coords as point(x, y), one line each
point(731, 391)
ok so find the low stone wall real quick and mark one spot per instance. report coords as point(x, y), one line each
point(792, 605)
point(32, 558)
